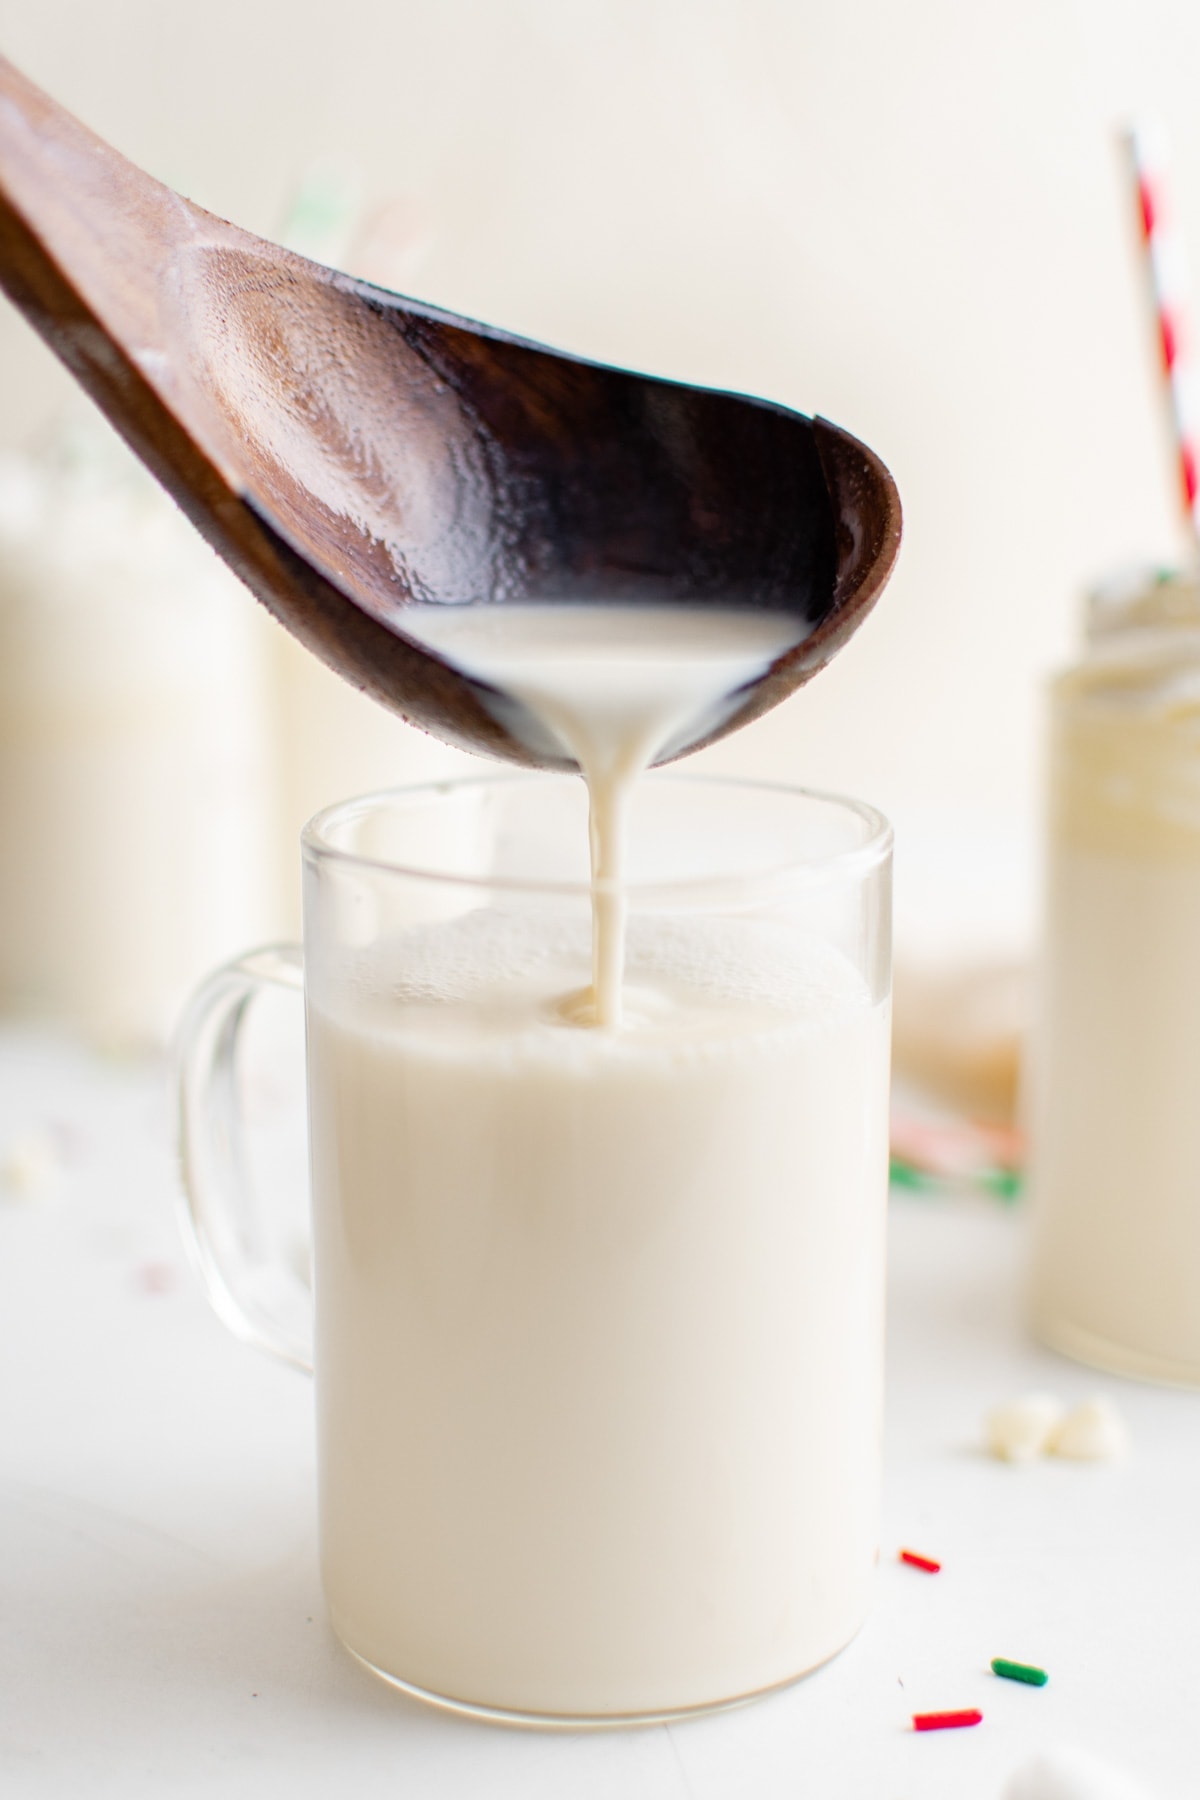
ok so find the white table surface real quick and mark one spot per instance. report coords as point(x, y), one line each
point(161, 1624)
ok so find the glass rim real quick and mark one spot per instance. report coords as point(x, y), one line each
point(850, 864)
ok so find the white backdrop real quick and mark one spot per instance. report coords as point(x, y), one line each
point(909, 218)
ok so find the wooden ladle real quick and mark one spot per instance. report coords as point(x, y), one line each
point(348, 452)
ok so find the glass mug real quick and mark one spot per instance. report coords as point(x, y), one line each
point(598, 1334)
point(1114, 1124)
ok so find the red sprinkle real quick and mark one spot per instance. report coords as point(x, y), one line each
point(920, 1562)
point(947, 1721)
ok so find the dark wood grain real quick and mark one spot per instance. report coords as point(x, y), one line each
point(348, 451)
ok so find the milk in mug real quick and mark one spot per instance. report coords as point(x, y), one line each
point(599, 1315)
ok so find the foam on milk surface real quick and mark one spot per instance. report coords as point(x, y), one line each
point(683, 976)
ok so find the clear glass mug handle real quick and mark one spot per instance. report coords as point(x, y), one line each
point(263, 1293)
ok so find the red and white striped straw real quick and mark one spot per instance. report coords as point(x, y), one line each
point(1166, 268)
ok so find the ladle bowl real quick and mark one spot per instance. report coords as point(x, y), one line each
point(349, 452)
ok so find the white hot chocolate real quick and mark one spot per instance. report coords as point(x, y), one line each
point(1115, 1128)
point(599, 1313)
point(599, 1292)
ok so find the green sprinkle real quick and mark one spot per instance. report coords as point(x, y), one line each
point(1004, 1183)
point(906, 1175)
point(1012, 1671)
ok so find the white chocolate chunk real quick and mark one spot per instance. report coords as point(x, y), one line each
point(1093, 1432)
point(29, 1164)
point(1024, 1428)
point(1063, 1774)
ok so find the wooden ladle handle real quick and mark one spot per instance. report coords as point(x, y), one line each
point(87, 244)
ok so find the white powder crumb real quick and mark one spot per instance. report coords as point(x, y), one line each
point(1093, 1432)
point(1063, 1774)
point(1023, 1429)
point(28, 1165)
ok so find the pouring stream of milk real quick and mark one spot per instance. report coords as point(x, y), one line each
point(617, 688)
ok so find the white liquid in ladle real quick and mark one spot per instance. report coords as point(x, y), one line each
point(617, 687)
